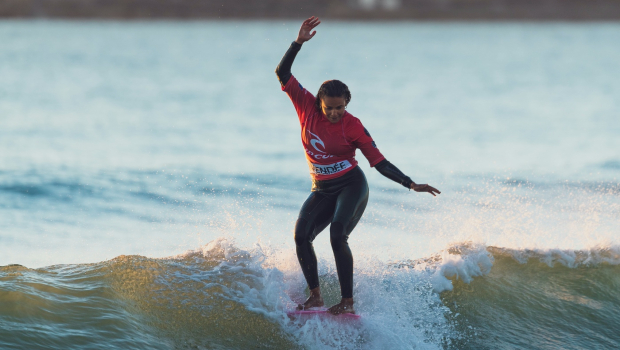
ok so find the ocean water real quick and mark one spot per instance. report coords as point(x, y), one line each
point(151, 174)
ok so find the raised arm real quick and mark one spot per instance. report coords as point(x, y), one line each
point(390, 171)
point(283, 71)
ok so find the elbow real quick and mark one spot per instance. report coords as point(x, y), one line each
point(279, 75)
point(282, 77)
point(381, 165)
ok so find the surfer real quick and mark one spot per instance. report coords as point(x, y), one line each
point(330, 136)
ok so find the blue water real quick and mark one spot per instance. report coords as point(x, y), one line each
point(173, 140)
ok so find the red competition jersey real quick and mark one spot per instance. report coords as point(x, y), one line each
point(330, 148)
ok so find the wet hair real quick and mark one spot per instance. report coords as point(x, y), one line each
point(333, 88)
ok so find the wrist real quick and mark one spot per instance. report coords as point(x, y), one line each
point(408, 183)
point(299, 41)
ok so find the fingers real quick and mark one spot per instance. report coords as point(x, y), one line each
point(429, 189)
point(312, 22)
point(305, 33)
point(432, 189)
point(426, 188)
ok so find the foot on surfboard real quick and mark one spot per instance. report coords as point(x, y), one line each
point(344, 307)
point(312, 302)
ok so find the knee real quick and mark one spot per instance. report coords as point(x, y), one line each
point(302, 234)
point(337, 236)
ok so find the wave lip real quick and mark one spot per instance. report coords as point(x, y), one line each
point(604, 254)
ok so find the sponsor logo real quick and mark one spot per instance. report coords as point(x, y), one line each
point(318, 156)
point(330, 168)
point(302, 89)
point(319, 146)
point(368, 134)
point(316, 141)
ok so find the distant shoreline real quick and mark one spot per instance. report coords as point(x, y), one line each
point(380, 10)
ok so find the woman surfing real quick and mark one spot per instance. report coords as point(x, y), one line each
point(330, 136)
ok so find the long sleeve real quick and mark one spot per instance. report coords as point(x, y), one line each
point(390, 171)
point(283, 71)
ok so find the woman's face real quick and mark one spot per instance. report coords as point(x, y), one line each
point(333, 108)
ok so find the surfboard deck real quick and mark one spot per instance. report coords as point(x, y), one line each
point(322, 312)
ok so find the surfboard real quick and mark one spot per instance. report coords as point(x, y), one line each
point(322, 312)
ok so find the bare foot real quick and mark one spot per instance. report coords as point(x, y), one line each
point(315, 300)
point(344, 307)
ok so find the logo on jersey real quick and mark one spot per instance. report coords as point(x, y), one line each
point(330, 168)
point(302, 89)
point(316, 141)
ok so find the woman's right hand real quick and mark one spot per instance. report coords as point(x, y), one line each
point(306, 27)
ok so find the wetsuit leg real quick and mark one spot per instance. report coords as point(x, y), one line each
point(350, 206)
point(314, 216)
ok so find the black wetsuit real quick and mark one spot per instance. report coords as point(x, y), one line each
point(339, 202)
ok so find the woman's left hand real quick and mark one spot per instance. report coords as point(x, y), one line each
point(425, 188)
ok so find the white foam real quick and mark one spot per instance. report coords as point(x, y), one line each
point(399, 303)
point(600, 254)
point(474, 261)
point(398, 306)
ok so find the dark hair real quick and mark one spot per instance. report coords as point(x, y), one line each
point(333, 88)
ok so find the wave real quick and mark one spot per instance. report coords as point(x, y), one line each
point(468, 296)
point(537, 299)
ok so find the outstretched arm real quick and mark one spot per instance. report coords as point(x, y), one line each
point(283, 71)
point(390, 171)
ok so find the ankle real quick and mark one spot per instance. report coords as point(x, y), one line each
point(316, 292)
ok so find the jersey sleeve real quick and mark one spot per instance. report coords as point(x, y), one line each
point(361, 139)
point(302, 99)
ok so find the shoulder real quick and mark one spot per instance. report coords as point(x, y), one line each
point(351, 122)
point(352, 126)
point(293, 85)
